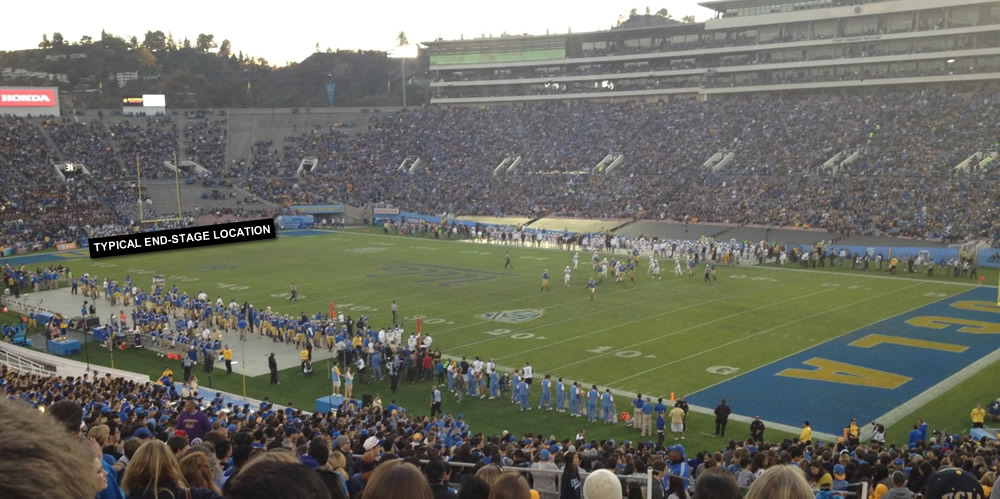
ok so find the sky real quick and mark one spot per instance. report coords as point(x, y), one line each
point(288, 31)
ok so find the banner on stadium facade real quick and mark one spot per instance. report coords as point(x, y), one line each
point(145, 104)
point(66, 246)
point(989, 258)
point(318, 208)
point(132, 101)
point(190, 237)
point(34, 101)
point(331, 90)
point(385, 211)
point(296, 221)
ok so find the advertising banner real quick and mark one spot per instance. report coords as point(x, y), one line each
point(28, 97)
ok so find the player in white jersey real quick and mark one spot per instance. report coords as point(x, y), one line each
point(656, 270)
point(576, 260)
point(652, 264)
point(596, 259)
point(677, 267)
point(566, 274)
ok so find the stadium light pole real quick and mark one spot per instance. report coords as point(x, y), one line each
point(403, 53)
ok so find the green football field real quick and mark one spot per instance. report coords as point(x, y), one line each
point(677, 335)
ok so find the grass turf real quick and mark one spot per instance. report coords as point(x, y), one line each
point(650, 336)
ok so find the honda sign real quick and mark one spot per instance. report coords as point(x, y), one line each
point(37, 101)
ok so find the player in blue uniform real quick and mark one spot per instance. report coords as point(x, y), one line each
point(494, 385)
point(522, 395)
point(515, 380)
point(574, 400)
point(545, 281)
point(560, 395)
point(606, 402)
point(593, 288)
point(592, 397)
point(546, 394)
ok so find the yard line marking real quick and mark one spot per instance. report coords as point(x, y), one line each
point(813, 316)
point(548, 345)
point(547, 324)
point(766, 267)
point(679, 331)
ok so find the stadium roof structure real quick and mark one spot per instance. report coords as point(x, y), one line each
point(752, 46)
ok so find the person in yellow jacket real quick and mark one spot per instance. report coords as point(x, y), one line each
point(853, 433)
point(978, 416)
point(807, 433)
point(227, 355)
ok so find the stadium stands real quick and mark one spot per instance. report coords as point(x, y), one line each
point(785, 163)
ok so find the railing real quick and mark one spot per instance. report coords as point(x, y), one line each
point(21, 364)
point(55, 365)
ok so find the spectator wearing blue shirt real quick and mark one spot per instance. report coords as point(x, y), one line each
point(917, 434)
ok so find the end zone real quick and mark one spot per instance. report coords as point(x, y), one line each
point(879, 372)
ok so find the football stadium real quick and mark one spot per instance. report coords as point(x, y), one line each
point(755, 255)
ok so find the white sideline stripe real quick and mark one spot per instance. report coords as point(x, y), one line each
point(866, 429)
point(767, 266)
point(768, 425)
point(764, 331)
point(862, 273)
point(894, 416)
point(679, 331)
point(699, 409)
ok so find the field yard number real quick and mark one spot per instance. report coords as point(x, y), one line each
point(235, 287)
point(515, 336)
point(837, 285)
point(354, 307)
point(754, 278)
point(427, 320)
point(104, 265)
point(624, 354)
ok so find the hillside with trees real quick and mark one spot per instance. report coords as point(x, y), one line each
point(207, 72)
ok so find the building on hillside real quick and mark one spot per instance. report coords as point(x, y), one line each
point(751, 46)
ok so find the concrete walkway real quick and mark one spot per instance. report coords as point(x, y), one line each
point(253, 352)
